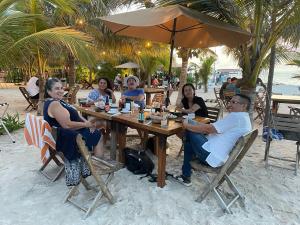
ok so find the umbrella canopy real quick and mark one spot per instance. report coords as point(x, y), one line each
point(128, 65)
point(186, 27)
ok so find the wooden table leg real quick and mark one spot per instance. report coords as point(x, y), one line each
point(275, 107)
point(122, 141)
point(160, 146)
point(113, 141)
point(148, 98)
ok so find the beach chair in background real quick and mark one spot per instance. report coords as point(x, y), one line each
point(289, 126)
point(38, 132)
point(223, 173)
point(70, 97)
point(294, 111)
point(4, 107)
point(259, 105)
point(98, 168)
point(32, 102)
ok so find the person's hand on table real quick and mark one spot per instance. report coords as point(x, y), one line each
point(185, 124)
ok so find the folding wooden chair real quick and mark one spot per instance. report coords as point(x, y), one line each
point(214, 114)
point(4, 106)
point(222, 173)
point(32, 102)
point(259, 106)
point(34, 136)
point(294, 111)
point(98, 168)
point(71, 95)
point(289, 125)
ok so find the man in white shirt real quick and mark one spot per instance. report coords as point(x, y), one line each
point(212, 143)
point(33, 87)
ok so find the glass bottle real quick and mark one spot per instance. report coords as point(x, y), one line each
point(141, 117)
point(107, 106)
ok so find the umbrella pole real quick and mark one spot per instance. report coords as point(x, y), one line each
point(167, 101)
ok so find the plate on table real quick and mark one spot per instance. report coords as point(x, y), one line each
point(125, 111)
point(112, 112)
point(172, 116)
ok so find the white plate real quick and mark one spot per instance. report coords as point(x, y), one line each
point(112, 112)
point(125, 111)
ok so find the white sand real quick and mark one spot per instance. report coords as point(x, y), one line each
point(27, 197)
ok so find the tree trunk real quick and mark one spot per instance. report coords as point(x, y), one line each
point(205, 87)
point(71, 72)
point(183, 73)
point(269, 86)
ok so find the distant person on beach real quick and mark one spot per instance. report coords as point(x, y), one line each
point(223, 87)
point(232, 86)
point(211, 143)
point(32, 87)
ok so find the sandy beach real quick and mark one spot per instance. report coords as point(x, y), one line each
point(27, 197)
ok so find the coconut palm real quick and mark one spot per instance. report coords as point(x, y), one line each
point(268, 21)
point(205, 70)
point(27, 36)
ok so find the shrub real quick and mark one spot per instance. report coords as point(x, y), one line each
point(12, 122)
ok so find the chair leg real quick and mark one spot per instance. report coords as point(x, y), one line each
point(92, 206)
point(297, 159)
point(223, 204)
point(71, 193)
point(180, 151)
point(5, 128)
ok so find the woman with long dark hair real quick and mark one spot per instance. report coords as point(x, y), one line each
point(104, 89)
point(61, 114)
point(191, 103)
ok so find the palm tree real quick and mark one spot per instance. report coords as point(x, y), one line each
point(204, 71)
point(26, 36)
point(267, 21)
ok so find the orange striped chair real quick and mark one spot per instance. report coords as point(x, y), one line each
point(37, 132)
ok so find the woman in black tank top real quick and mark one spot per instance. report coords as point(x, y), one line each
point(61, 114)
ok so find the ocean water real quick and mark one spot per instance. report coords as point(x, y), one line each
point(283, 81)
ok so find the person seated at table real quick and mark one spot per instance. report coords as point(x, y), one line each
point(223, 87)
point(191, 103)
point(63, 115)
point(155, 82)
point(32, 87)
point(232, 86)
point(212, 143)
point(104, 89)
point(133, 93)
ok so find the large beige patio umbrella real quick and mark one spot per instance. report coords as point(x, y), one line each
point(178, 26)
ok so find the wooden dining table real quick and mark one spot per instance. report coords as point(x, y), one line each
point(289, 99)
point(119, 123)
point(90, 111)
point(161, 135)
point(149, 91)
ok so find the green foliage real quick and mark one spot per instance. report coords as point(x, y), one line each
point(190, 79)
point(206, 70)
point(107, 70)
point(12, 122)
point(14, 76)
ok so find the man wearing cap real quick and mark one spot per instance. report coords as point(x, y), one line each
point(133, 93)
